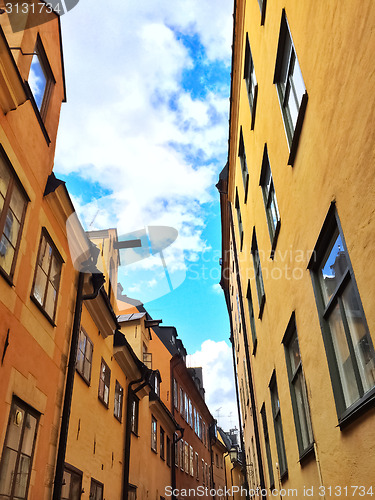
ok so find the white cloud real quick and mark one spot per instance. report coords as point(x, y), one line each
point(216, 360)
point(217, 288)
point(124, 67)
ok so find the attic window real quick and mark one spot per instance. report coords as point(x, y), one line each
point(41, 79)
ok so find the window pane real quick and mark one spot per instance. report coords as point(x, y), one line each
point(344, 361)
point(45, 255)
point(76, 487)
point(17, 202)
point(333, 267)
point(7, 471)
point(16, 419)
point(50, 300)
point(29, 434)
point(37, 80)
point(55, 273)
point(4, 178)
point(364, 350)
point(6, 255)
point(11, 228)
point(298, 84)
point(22, 477)
point(294, 354)
point(303, 410)
point(286, 59)
point(65, 486)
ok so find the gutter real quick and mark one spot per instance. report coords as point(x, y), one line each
point(97, 281)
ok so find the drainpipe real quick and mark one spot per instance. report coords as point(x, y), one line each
point(248, 364)
point(143, 381)
point(97, 281)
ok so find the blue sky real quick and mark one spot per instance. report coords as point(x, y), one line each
point(141, 143)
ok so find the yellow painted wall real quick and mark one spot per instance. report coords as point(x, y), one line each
point(334, 43)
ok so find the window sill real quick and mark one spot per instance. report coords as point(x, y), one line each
point(152, 449)
point(135, 434)
point(357, 409)
point(41, 309)
point(307, 454)
point(87, 382)
point(119, 419)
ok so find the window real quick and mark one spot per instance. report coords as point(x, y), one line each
point(47, 276)
point(175, 393)
point(251, 316)
point(162, 443)
point(203, 431)
point(217, 459)
point(181, 444)
point(96, 490)
point(239, 219)
point(290, 87)
point(13, 201)
point(269, 198)
point(262, 6)
point(251, 81)
point(17, 458)
point(72, 484)
point(279, 435)
point(154, 430)
point(134, 413)
point(246, 382)
point(243, 163)
point(168, 451)
point(41, 80)
point(191, 461)
point(186, 406)
point(298, 390)
point(132, 492)
point(176, 449)
point(190, 413)
point(182, 399)
point(119, 396)
point(201, 423)
point(196, 466)
point(156, 382)
point(186, 458)
point(258, 274)
point(203, 473)
point(268, 447)
point(347, 340)
point(104, 380)
point(84, 356)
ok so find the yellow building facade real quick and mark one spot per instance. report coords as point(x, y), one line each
point(297, 200)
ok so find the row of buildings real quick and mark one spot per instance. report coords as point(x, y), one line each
point(96, 400)
point(298, 231)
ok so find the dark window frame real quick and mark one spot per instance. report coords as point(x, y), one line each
point(278, 427)
point(267, 444)
point(56, 254)
point(262, 6)
point(107, 373)
point(154, 434)
point(73, 471)
point(293, 132)
point(250, 306)
point(239, 220)
point(119, 399)
point(243, 163)
point(331, 226)
point(14, 181)
point(258, 275)
point(134, 402)
point(169, 451)
point(251, 81)
point(85, 359)
point(291, 335)
point(270, 200)
point(96, 484)
point(36, 415)
point(162, 442)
